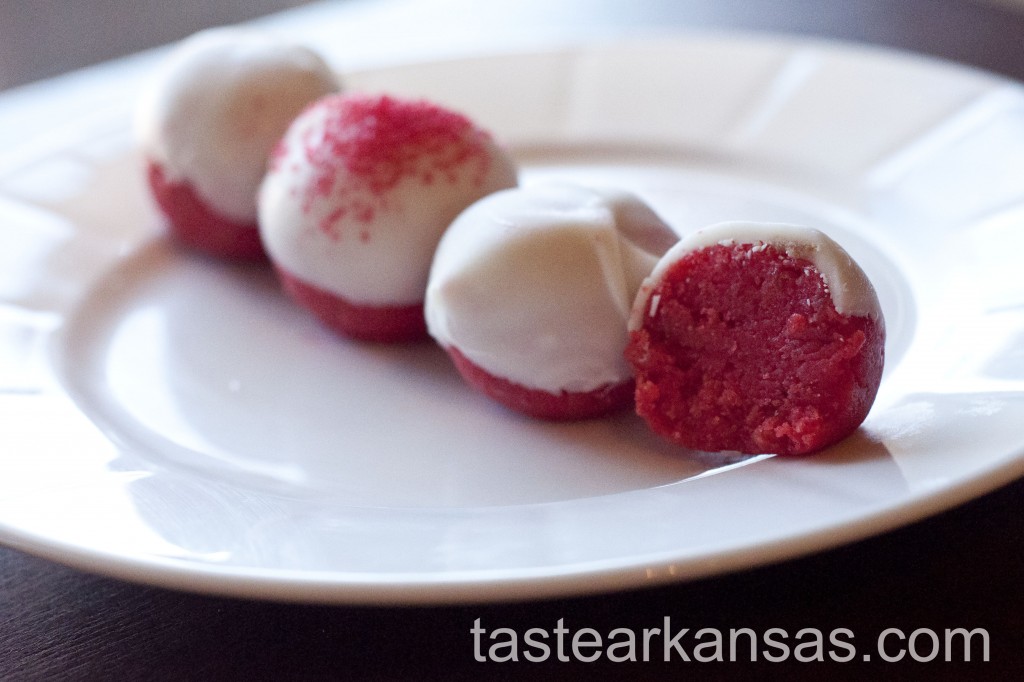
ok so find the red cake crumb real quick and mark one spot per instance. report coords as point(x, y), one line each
point(192, 223)
point(564, 406)
point(741, 348)
point(363, 322)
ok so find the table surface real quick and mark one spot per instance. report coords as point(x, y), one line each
point(960, 568)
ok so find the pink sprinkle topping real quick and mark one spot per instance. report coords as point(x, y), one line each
point(366, 145)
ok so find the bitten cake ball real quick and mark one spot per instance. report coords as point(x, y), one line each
point(530, 293)
point(207, 125)
point(756, 338)
point(359, 192)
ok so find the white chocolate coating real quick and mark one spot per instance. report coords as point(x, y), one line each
point(851, 290)
point(535, 285)
point(219, 104)
point(349, 237)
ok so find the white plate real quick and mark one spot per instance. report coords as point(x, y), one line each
point(176, 421)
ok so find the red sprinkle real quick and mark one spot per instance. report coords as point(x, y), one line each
point(367, 145)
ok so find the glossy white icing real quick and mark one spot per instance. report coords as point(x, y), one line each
point(536, 284)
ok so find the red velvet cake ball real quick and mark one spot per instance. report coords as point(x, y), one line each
point(530, 293)
point(207, 124)
point(359, 192)
point(758, 339)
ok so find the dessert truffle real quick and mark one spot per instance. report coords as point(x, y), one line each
point(359, 192)
point(530, 293)
point(207, 124)
point(756, 338)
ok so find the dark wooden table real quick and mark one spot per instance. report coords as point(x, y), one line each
point(962, 568)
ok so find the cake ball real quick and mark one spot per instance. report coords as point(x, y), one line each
point(359, 192)
point(207, 124)
point(757, 338)
point(530, 294)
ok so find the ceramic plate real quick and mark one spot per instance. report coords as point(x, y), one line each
point(173, 420)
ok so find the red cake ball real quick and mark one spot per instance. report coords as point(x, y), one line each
point(207, 124)
point(359, 192)
point(530, 292)
point(757, 339)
